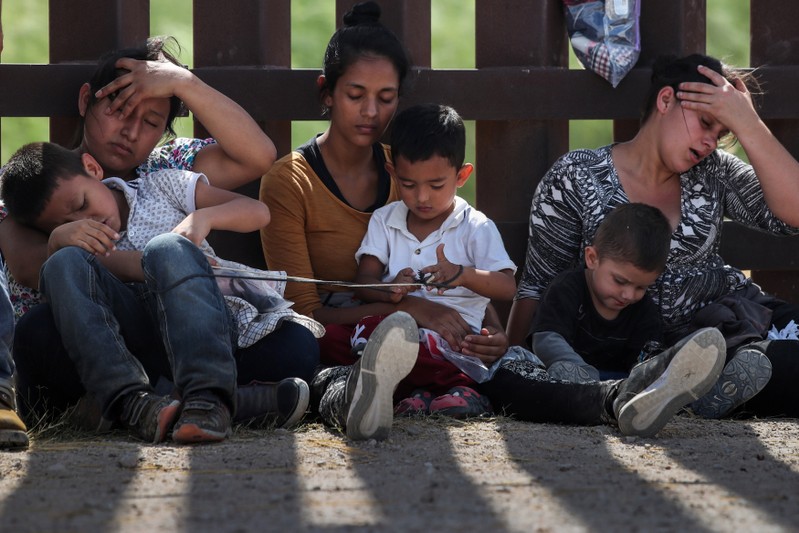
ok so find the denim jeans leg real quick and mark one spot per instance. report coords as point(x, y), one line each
point(195, 322)
point(90, 306)
point(6, 336)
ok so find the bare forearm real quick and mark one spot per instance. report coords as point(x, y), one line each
point(776, 169)
point(247, 152)
point(520, 319)
point(494, 285)
point(372, 295)
point(242, 215)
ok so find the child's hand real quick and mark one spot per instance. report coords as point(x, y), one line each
point(443, 272)
point(405, 275)
point(194, 227)
point(488, 346)
point(94, 237)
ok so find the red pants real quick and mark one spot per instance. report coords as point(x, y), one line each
point(431, 373)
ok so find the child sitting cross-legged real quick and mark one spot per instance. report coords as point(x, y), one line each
point(129, 266)
point(434, 236)
point(593, 323)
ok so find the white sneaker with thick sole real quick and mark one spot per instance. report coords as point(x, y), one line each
point(388, 357)
point(692, 372)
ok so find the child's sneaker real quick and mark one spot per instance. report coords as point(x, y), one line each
point(13, 433)
point(280, 404)
point(389, 356)
point(691, 372)
point(418, 403)
point(462, 402)
point(202, 420)
point(747, 373)
point(87, 415)
point(149, 416)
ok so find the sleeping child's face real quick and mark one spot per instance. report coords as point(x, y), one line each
point(80, 197)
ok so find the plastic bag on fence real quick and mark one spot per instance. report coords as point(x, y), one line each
point(605, 35)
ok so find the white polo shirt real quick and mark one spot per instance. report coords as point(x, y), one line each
point(470, 239)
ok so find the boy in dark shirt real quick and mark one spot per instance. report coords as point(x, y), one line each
point(593, 322)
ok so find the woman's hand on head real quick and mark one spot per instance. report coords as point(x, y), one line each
point(242, 152)
point(90, 235)
point(730, 104)
point(144, 79)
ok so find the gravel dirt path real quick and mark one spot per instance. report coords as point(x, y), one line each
point(431, 475)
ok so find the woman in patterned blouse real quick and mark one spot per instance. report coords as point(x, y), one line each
point(673, 163)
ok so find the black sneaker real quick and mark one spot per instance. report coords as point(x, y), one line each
point(87, 415)
point(389, 356)
point(746, 374)
point(202, 420)
point(281, 404)
point(149, 416)
point(693, 367)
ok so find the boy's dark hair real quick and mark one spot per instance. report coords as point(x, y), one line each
point(425, 130)
point(635, 233)
point(361, 35)
point(153, 49)
point(32, 175)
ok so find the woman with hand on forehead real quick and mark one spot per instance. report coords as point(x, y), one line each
point(127, 109)
point(694, 104)
point(127, 112)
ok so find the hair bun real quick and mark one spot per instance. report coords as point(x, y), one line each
point(662, 66)
point(362, 13)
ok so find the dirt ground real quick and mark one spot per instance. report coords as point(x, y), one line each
point(432, 474)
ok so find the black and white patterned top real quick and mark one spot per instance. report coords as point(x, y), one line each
point(583, 186)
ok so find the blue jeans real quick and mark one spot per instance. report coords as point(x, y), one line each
point(6, 336)
point(178, 304)
point(47, 382)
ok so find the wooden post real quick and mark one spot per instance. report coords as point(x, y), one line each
point(257, 33)
point(408, 19)
point(82, 31)
point(513, 155)
point(773, 31)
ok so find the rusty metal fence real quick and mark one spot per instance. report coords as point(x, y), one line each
point(521, 93)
